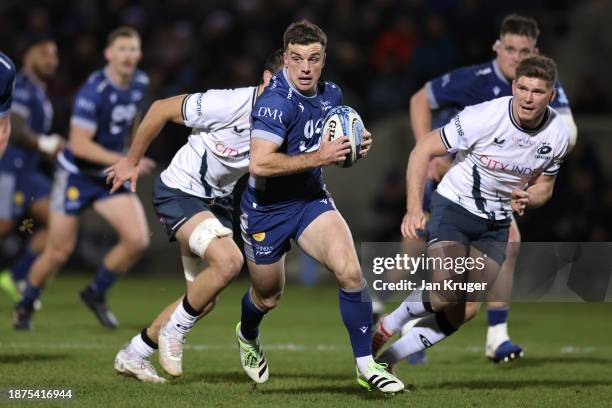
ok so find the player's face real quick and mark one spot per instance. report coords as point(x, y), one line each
point(304, 64)
point(44, 59)
point(530, 98)
point(123, 55)
point(511, 49)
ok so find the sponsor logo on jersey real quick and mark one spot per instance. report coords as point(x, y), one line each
point(325, 105)
point(265, 111)
point(496, 164)
point(457, 123)
point(543, 151)
point(85, 104)
point(522, 141)
point(259, 236)
point(225, 150)
point(484, 71)
point(499, 142)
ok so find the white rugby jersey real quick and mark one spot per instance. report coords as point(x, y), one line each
point(495, 156)
point(217, 152)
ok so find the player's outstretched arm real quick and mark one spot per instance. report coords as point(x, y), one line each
point(129, 167)
point(428, 147)
point(23, 136)
point(266, 161)
point(420, 114)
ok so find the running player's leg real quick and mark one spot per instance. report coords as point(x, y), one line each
point(453, 311)
point(327, 239)
point(58, 248)
point(499, 347)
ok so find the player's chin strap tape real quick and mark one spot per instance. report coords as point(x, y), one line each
point(204, 233)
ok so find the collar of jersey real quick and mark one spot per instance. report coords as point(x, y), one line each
point(536, 129)
point(498, 72)
point(112, 83)
point(295, 89)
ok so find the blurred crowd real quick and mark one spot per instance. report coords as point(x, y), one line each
point(380, 52)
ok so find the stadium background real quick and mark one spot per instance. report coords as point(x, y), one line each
point(380, 52)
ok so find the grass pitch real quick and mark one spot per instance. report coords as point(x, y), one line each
point(568, 355)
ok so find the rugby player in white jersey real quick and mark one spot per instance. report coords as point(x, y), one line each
point(508, 152)
point(193, 198)
point(444, 96)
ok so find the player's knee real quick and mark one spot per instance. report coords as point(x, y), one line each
point(137, 243)
point(349, 274)
point(270, 302)
point(227, 264)
point(58, 254)
point(471, 310)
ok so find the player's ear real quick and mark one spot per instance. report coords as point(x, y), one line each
point(496, 45)
point(536, 51)
point(285, 59)
point(107, 53)
point(265, 77)
point(552, 95)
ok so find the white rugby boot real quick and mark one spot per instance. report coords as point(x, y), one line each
point(378, 376)
point(171, 351)
point(131, 365)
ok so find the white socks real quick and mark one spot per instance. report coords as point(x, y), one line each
point(411, 308)
point(139, 348)
point(364, 362)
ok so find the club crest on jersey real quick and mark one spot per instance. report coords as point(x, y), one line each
point(543, 151)
point(266, 111)
point(325, 105)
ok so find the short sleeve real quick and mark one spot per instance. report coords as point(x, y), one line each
point(454, 89)
point(560, 152)
point(7, 79)
point(271, 117)
point(461, 133)
point(85, 109)
point(209, 109)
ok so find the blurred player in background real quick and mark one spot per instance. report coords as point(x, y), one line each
point(7, 77)
point(104, 113)
point(286, 198)
point(470, 86)
point(508, 153)
point(24, 186)
point(193, 198)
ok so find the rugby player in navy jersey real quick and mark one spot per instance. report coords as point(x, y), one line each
point(454, 91)
point(7, 77)
point(104, 114)
point(24, 187)
point(286, 199)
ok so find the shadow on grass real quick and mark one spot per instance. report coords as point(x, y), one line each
point(537, 361)
point(31, 357)
point(241, 378)
point(516, 384)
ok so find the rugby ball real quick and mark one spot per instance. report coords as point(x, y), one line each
point(345, 121)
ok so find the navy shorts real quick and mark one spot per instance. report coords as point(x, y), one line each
point(429, 189)
point(268, 229)
point(175, 207)
point(19, 189)
point(451, 222)
point(74, 193)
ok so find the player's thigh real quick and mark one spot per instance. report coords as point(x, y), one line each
point(328, 240)
point(124, 212)
point(484, 274)
point(267, 280)
point(37, 189)
point(442, 259)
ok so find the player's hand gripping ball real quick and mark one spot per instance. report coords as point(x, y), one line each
point(345, 121)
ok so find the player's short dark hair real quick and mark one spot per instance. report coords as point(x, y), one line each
point(519, 25)
point(303, 33)
point(34, 39)
point(540, 67)
point(274, 62)
point(123, 31)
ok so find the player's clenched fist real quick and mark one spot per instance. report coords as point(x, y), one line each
point(519, 200)
point(413, 221)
